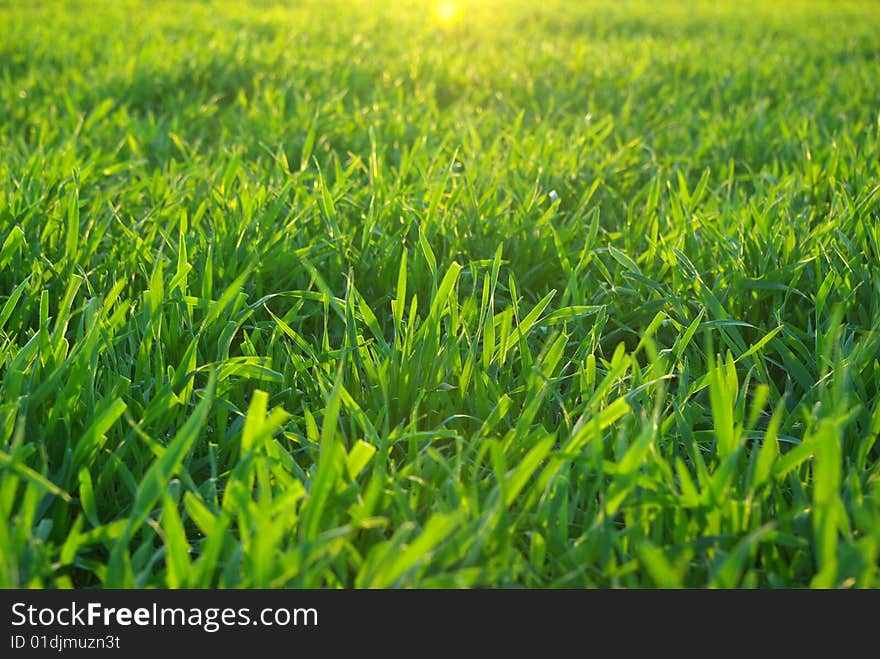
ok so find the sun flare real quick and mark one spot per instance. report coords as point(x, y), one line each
point(447, 11)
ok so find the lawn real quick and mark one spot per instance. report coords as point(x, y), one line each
point(439, 294)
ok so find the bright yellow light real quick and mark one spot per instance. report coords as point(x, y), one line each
point(446, 11)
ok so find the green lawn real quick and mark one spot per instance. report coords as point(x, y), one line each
point(444, 294)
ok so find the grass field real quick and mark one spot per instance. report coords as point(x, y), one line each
point(439, 294)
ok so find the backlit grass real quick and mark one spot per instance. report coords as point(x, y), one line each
point(439, 294)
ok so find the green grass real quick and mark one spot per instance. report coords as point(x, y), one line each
point(566, 295)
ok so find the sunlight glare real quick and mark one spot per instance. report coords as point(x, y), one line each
point(446, 11)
